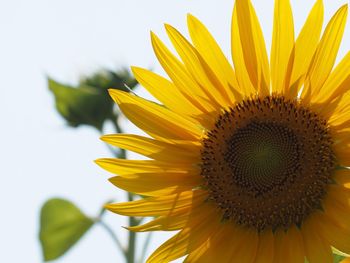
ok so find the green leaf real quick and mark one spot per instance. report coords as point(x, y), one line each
point(106, 79)
point(62, 224)
point(82, 105)
point(89, 103)
point(337, 258)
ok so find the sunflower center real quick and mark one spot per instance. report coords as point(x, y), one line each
point(261, 154)
point(267, 162)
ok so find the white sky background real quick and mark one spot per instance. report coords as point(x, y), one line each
point(40, 156)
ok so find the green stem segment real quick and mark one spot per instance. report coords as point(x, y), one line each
point(112, 235)
point(130, 251)
point(145, 246)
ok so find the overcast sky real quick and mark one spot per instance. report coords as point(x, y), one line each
point(40, 156)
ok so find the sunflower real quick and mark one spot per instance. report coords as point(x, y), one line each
point(248, 163)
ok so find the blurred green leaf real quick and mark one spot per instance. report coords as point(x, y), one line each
point(337, 258)
point(82, 105)
point(106, 79)
point(62, 224)
point(89, 103)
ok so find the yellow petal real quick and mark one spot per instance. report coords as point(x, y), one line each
point(289, 246)
point(160, 205)
point(343, 155)
point(336, 206)
point(213, 55)
point(330, 111)
point(340, 111)
point(341, 128)
point(181, 77)
point(159, 150)
point(327, 50)
point(282, 43)
point(339, 118)
point(186, 241)
point(265, 250)
point(336, 235)
point(199, 255)
point(253, 46)
point(334, 85)
point(242, 244)
point(199, 69)
point(306, 44)
point(155, 119)
point(156, 184)
point(316, 248)
point(246, 247)
point(165, 91)
point(342, 177)
point(213, 249)
point(178, 219)
point(245, 85)
point(123, 166)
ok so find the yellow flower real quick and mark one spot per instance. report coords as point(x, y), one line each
point(247, 163)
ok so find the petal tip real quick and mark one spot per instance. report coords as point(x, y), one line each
point(98, 161)
point(134, 69)
point(109, 207)
point(116, 95)
point(152, 34)
point(169, 28)
point(344, 9)
point(190, 18)
point(154, 39)
point(112, 92)
point(104, 138)
point(128, 228)
point(112, 179)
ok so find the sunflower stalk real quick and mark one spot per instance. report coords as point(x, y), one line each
point(145, 246)
point(129, 252)
point(112, 235)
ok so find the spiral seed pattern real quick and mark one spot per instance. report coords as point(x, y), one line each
point(267, 162)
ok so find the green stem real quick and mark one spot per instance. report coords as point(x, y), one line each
point(112, 235)
point(131, 249)
point(130, 254)
point(145, 246)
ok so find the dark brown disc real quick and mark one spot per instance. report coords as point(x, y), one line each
point(267, 162)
